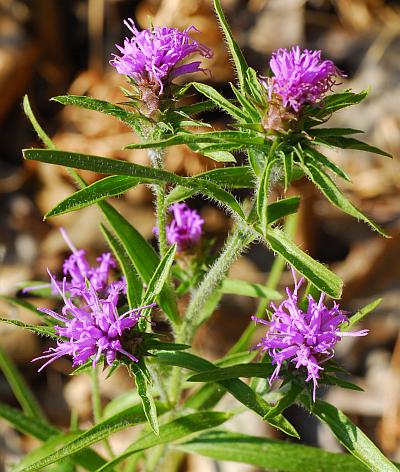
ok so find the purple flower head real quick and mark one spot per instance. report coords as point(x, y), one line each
point(90, 326)
point(185, 228)
point(306, 339)
point(78, 270)
point(300, 77)
point(153, 56)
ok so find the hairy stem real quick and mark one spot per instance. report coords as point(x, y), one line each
point(157, 159)
point(272, 282)
point(237, 242)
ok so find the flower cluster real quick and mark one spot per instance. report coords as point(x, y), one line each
point(91, 325)
point(306, 339)
point(185, 227)
point(300, 77)
point(152, 56)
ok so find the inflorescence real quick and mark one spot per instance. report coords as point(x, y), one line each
point(91, 325)
point(185, 228)
point(304, 338)
point(300, 77)
point(152, 57)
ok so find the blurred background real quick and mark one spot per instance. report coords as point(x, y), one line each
point(50, 48)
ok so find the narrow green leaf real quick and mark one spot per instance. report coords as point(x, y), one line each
point(262, 370)
point(282, 208)
point(263, 194)
point(352, 438)
point(143, 388)
point(332, 380)
point(20, 302)
point(256, 90)
point(241, 138)
point(328, 187)
point(241, 391)
point(142, 255)
point(237, 55)
point(229, 177)
point(26, 424)
point(36, 428)
point(38, 329)
point(174, 430)
point(321, 159)
point(220, 101)
point(104, 188)
point(268, 454)
point(20, 388)
point(292, 391)
point(39, 130)
point(134, 285)
point(288, 168)
point(251, 110)
point(195, 108)
point(145, 174)
point(248, 289)
point(314, 271)
point(44, 450)
point(337, 101)
point(132, 119)
point(130, 417)
point(357, 317)
point(158, 279)
point(322, 132)
point(350, 143)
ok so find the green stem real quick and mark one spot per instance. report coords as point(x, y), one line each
point(272, 282)
point(236, 243)
point(157, 159)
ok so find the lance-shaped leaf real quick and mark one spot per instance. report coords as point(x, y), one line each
point(287, 168)
point(349, 143)
point(134, 285)
point(220, 101)
point(159, 278)
point(322, 180)
point(131, 119)
point(143, 386)
point(313, 270)
point(241, 391)
point(357, 317)
point(237, 55)
point(89, 459)
point(142, 255)
point(104, 188)
point(102, 430)
point(282, 208)
point(268, 454)
point(42, 330)
point(263, 194)
point(176, 429)
point(321, 160)
point(104, 165)
point(20, 388)
point(336, 101)
point(213, 137)
point(261, 370)
point(351, 437)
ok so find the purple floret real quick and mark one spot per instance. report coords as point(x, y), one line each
point(152, 56)
point(300, 77)
point(306, 339)
point(91, 326)
point(185, 228)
